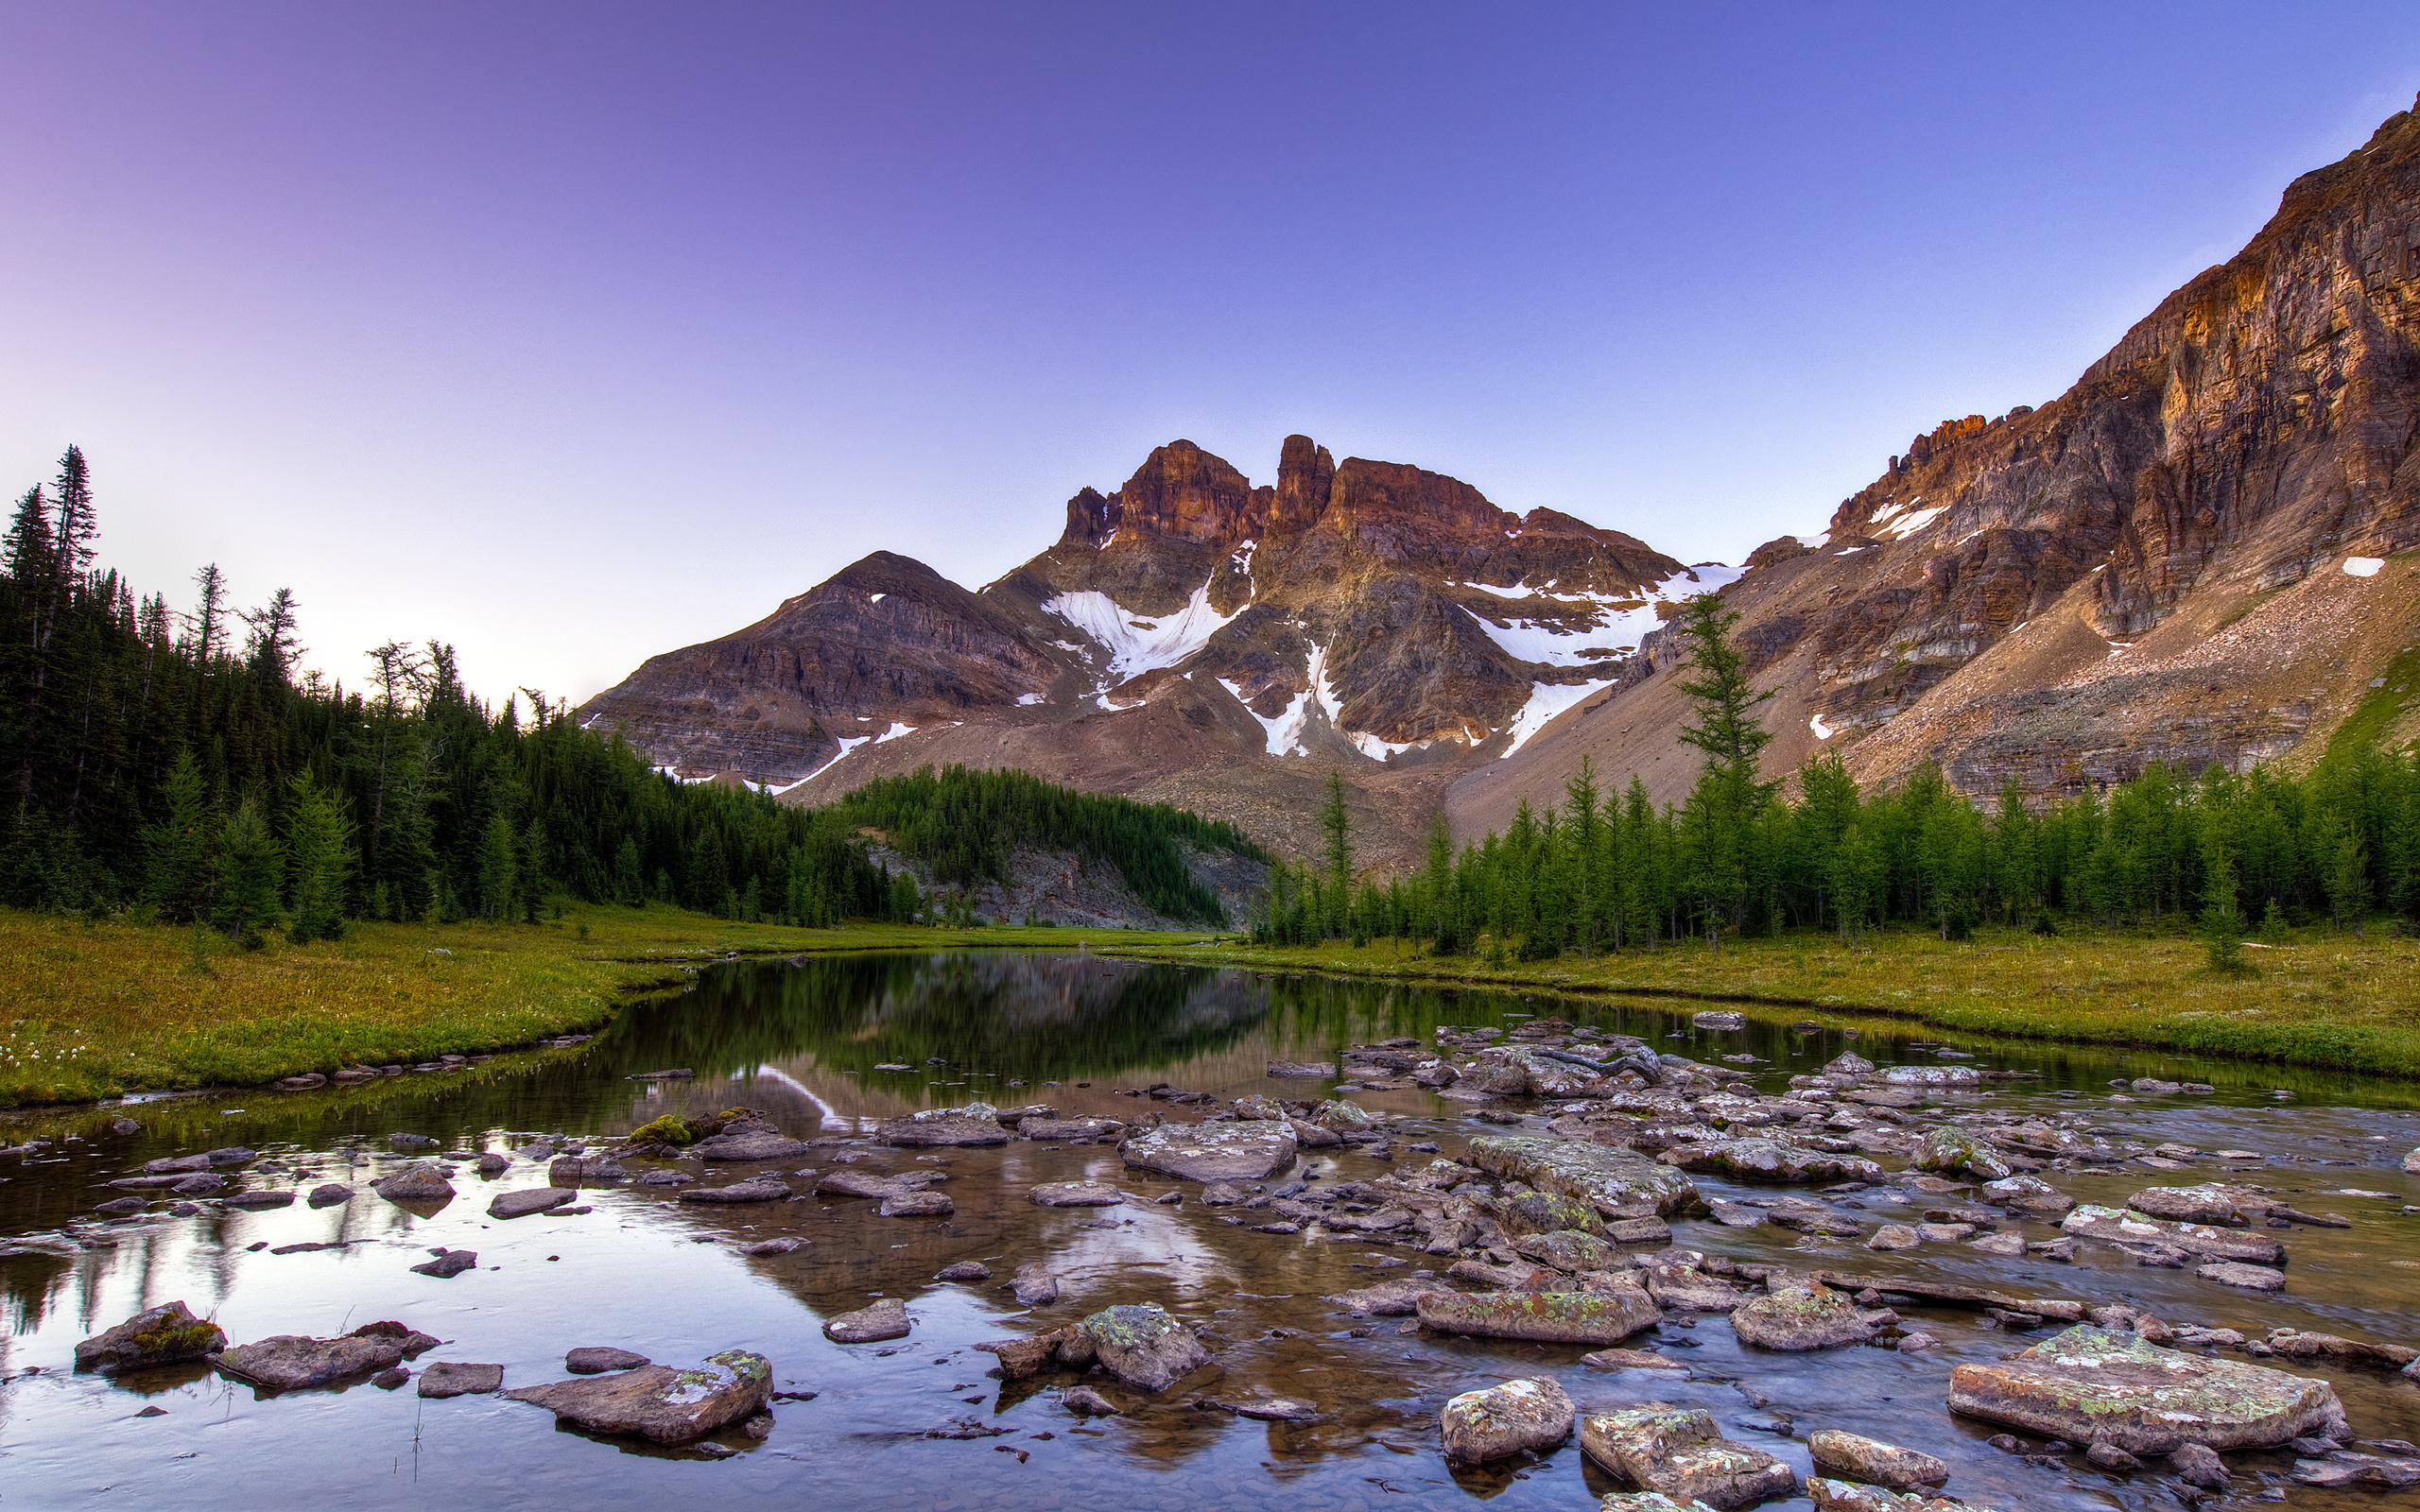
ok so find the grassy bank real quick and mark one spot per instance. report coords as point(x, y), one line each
point(2317, 998)
point(91, 1011)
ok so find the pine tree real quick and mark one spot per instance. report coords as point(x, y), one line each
point(317, 846)
point(252, 872)
point(273, 649)
point(499, 871)
point(177, 849)
point(1336, 831)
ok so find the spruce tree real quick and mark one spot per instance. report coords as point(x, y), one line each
point(499, 871)
point(252, 869)
point(177, 849)
point(317, 846)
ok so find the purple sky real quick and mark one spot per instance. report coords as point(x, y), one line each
point(574, 333)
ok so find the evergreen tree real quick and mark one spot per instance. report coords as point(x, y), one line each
point(251, 874)
point(177, 849)
point(499, 871)
point(318, 849)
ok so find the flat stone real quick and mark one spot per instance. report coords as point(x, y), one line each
point(913, 1204)
point(258, 1201)
point(291, 1361)
point(1870, 1459)
point(1274, 1409)
point(1497, 1422)
point(1738, 1214)
point(158, 1335)
point(1068, 1130)
point(1238, 1151)
point(529, 1200)
point(596, 1358)
point(658, 1403)
point(1678, 1452)
point(871, 1324)
point(1569, 1250)
point(1631, 1359)
point(1144, 1346)
point(755, 1189)
point(749, 1144)
point(2236, 1273)
point(2093, 1384)
point(2212, 1202)
point(1610, 1179)
point(973, 1125)
point(1841, 1496)
point(1812, 1316)
point(2111, 1226)
point(1075, 1195)
point(780, 1245)
point(1548, 1317)
point(1771, 1160)
point(451, 1263)
point(2346, 1468)
point(451, 1378)
point(1684, 1286)
point(858, 1184)
point(1396, 1298)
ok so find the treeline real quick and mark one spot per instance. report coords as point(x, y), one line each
point(968, 826)
point(172, 762)
point(2214, 851)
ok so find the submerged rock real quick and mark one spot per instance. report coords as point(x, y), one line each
point(2093, 1384)
point(913, 1204)
point(1496, 1421)
point(1548, 1317)
point(965, 1270)
point(1399, 1298)
point(1144, 1346)
point(1239, 1151)
point(1613, 1180)
point(2236, 1273)
point(871, 1324)
point(157, 1335)
point(1870, 1459)
point(973, 1125)
point(596, 1358)
point(451, 1378)
point(1812, 1316)
point(1678, 1452)
point(1069, 1130)
point(291, 1361)
point(660, 1404)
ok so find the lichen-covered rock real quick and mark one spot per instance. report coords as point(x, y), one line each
point(1548, 1317)
point(2212, 1202)
point(157, 1335)
point(1607, 1177)
point(1812, 1316)
point(1496, 1421)
point(973, 1125)
point(2095, 1384)
point(1677, 1450)
point(871, 1324)
point(1948, 1148)
point(1870, 1459)
point(1543, 1213)
point(2111, 1226)
point(291, 1361)
point(1239, 1151)
point(1141, 1346)
point(1841, 1496)
point(658, 1403)
point(1569, 1250)
point(1770, 1160)
point(2026, 1194)
point(1340, 1116)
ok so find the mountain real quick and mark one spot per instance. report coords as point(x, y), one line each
point(2202, 551)
point(1191, 638)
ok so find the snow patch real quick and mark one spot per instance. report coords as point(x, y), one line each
point(848, 743)
point(1027, 699)
point(1136, 647)
point(1902, 529)
point(1546, 700)
point(1612, 624)
point(2363, 566)
point(1823, 731)
point(877, 598)
point(1284, 732)
point(895, 731)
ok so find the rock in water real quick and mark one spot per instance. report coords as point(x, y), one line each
point(1953, 1150)
point(658, 1403)
point(2345, 1467)
point(1144, 1346)
point(1870, 1459)
point(2213, 1202)
point(1840, 1496)
point(258, 1201)
point(1771, 1160)
point(965, 1270)
point(2092, 1384)
point(871, 1324)
point(492, 1163)
point(1571, 1249)
point(1894, 1236)
point(1086, 1402)
point(1388, 1299)
point(1500, 1420)
point(1547, 1318)
point(2026, 1194)
point(2411, 1163)
point(2112, 1225)
point(975, 1124)
point(1607, 1179)
point(529, 1200)
point(1677, 1450)
point(596, 1358)
point(2197, 1465)
point(290, 1362)
point(1034, 1285)
point(158, 1335)
point(2236, 1273)
point(917, 1204)
point(417, 1182)
point(1049, 1130)
point(451, 1263)
point(1803, 1317)
point(1240, 1151)
point(329, 1194)
point(749, 1144)
point(755, 1189)
point(1546, 1213)
point(451, 1378)
point(1076, 1194)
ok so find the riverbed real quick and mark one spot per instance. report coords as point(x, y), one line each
point(923, 1421)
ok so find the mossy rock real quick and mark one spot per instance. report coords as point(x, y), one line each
point(668, 1129)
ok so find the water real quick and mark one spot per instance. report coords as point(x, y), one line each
point(803, 1041)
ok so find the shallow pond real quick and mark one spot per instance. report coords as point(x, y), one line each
point(804, 1040)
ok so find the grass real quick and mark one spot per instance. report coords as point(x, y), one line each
point(93, 1010)
point(2317, 998)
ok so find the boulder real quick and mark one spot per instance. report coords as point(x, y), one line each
point(1075, 1195)
point(2411, 1163)
point(2093, 1384)
point(448, 1264)
point(871, 1324)
point(1677, 1450)
point(749, 1144)
point(1237, 1151)
point(755, 1189)
point(913, 1204)
point(157, 1335)
point(2111, 1226)
point(451, 1378)
point(1870, 1459)
point(1812, 1316)
point(975, 1124)
point(1543, 1213)
point(529, 1200)
point(1547, 1317)
point(291, 1361)
point(1339, 1116)
point(1949, 1149)
point(1506, 1420)
point(658, 1403)
point(1607, 1177)
point(1770, 1160)
point(596, 1358)
point(328, 1194)
point(1034, 1284)
point(494, 1163)
point(417, 1182)
point(1894, 1236)
point(1144, 1346)
point(2197, 1465)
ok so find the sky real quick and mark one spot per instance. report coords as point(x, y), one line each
point(574, 333)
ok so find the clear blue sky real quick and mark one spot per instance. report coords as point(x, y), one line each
point(575, 332)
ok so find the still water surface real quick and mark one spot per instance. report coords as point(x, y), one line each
point(803, 1041)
